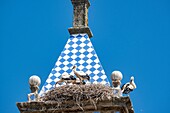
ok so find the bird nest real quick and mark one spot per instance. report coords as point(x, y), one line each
point(78, 94)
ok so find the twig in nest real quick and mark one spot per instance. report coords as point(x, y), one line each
point(92, 101)
point(80, 106)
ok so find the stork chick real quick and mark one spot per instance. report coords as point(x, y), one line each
point(81, 75)
point(78, 82)
point(128, 87)
point(67, 79)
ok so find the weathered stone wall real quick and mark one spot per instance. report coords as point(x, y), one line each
point(123, 105)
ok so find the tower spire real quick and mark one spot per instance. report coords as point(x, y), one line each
point(80, 17)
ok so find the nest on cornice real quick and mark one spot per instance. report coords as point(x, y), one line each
point(78, 98)
point(78, 93)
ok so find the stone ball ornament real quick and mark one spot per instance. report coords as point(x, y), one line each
point(116, 76)
point(34, 80)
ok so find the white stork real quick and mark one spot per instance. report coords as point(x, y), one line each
point(81, 75)
point(67, 79)
point(128, 87)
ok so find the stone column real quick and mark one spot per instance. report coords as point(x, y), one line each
point(80, 17)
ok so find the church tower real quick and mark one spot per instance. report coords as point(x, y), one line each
point(78, 51)
point(93, 93)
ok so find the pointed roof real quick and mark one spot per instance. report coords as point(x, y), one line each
point(78, 51)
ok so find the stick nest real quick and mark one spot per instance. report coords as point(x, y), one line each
point(79, 93)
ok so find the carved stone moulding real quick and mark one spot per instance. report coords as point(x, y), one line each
point(77, 30)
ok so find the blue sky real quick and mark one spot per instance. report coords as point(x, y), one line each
point(130, 36)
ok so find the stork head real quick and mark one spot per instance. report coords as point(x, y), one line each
point(132, 78)
point(132, 82)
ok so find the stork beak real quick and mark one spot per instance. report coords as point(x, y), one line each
point(74, 67)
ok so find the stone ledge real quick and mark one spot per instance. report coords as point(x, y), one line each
point(122, 104)
point(77, 30)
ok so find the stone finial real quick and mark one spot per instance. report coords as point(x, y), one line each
point(116, 77)
point(80, 11)
point(80, 17)
point(34, 82)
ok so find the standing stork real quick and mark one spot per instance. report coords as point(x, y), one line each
point(128, 87)
point(81, 75)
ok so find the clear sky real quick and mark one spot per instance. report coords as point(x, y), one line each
point(132, 36)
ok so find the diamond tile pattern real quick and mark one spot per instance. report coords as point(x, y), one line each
point(78, 51)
